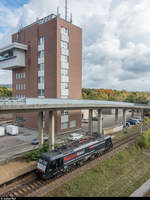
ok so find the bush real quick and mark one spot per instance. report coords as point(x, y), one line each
point(34, 155)
point(144, 140)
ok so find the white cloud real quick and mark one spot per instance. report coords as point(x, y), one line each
point(116, 38)
point(1, 36)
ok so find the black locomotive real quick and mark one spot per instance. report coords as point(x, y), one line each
point(52, 163)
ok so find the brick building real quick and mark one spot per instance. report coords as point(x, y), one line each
point(46, 62)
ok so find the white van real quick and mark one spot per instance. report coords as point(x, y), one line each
point(12, 130)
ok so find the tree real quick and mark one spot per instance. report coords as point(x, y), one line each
point(5, 92)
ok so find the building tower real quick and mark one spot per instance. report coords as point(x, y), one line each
point(46, 62)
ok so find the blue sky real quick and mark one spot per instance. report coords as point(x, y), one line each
point(14, 3)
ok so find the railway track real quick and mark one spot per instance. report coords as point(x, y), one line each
point(147, 194)
point(30, 185)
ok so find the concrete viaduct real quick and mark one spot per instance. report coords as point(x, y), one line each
point(52, 105)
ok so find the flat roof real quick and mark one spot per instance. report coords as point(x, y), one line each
point(14, 45)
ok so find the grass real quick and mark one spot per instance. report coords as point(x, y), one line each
point(118, 176)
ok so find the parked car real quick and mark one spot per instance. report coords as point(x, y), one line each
point(74, 136)
point(137, 120)
point(85, 120)
point(35, 141)
point(128, 124)
point(94, 119)
point(132, 122)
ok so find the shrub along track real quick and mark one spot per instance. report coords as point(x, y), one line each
point(29, 185)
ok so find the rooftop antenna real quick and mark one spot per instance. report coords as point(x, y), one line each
point(20, 26)
point(71, 18)
point(58, 14)
point(66, 7)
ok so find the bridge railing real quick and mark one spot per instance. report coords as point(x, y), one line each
point(12, 100)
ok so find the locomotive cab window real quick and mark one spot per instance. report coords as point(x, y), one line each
point(43, 162)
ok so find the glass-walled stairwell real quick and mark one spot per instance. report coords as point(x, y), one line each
point(64, 74)
point(41, 68)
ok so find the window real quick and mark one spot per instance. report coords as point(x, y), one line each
point(23, 75)
point(24, 86)
point(64, 86)
point(64, 31)
point(20, 119)
point(64, 45)
point(64, 72)
point(41, 79)
point(64, 125)
point(10, 53)
point(41, 93)
point(72, 123)
point(64, 112)
point(41, 67)
point(41, 41)
point(41, 54)
point(64, 58)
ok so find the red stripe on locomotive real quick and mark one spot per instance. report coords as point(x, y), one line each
point(91, 147)
point(70, 157)
point(82, 141)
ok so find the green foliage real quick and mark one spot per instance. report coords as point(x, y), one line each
point(144, 140)
point(34, 155)
point(114, 95)
point(5, 92)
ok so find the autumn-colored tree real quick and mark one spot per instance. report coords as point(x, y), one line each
point(115, 95)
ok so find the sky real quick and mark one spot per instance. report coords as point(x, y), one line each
point(116, 38)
